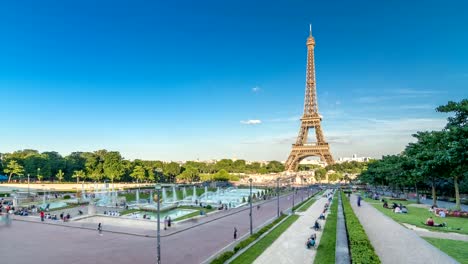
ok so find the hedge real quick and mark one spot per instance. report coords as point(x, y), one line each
point(360, 247)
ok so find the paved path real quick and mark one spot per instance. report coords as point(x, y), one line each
point(394, 243)
point(290, 246)
point(28, 241)
point(444, 235)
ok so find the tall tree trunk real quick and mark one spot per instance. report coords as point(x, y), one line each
point(9, 177)
point(434, 197)
point(417, 193)
point(457, 193)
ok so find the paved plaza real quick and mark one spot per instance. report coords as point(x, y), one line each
point(190, 242)
point(393, 243)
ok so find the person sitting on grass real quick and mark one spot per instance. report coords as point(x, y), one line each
point(404, 210)
point(397, 210)
point(430, 222)
point(442, 213)
point(385, 204)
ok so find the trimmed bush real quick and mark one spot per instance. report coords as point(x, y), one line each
point(66, 197)
point(360, 247)
point(209, 207)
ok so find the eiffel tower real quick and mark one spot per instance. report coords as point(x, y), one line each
point(310, 120)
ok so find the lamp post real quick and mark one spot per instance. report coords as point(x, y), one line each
point(251, 226)
point(293, 191)
point(277, 195)
point(158, 189)
point(28, 184)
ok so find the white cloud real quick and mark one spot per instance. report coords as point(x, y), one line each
point(251, 122)
point(256, 89)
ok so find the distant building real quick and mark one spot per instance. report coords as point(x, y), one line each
point(353, 158)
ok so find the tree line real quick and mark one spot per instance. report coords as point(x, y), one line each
point(110, 165)
point(437, 160)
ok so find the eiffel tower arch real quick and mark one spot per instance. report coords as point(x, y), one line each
point(311, 120)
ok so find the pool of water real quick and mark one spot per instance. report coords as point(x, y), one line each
point(53, 205)
point(173, 214)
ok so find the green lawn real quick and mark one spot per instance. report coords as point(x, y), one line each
point(326, 248)
point(454, 248)
point(256, 250)
point(417, 216)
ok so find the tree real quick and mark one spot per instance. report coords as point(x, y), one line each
point(455, 139)
point(113, 168)
point(190, 174)
point(139, 173)
point(222, 175)
point(13, 168)
point(79, 174)
point(171, 169)
point(275, 166)
point(60, 175)
point(320, 174)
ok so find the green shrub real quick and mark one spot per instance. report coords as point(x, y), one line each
point(223, 257)
point(66, 197)
point(209, 207)
point(361, 248)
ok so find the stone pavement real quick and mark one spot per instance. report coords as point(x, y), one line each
point(290, 246)
point(428, 233)
point(394, 243)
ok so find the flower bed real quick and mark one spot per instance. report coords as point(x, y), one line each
point(452, 213)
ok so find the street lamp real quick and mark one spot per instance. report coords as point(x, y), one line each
point(277, 195)
point(158, 189)
point(293, 191)
point(251, 226)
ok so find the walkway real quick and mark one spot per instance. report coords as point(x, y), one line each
point(444, 235)
point(394, 243)
point(290, 246)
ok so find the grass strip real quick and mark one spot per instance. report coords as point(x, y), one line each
point(455, 248)
point(360, 247)
point(256, 250)
point(327, 246)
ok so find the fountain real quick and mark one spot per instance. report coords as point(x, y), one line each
point(184, 193)
point(194, 194)
point(83, 194)
point(137, 196)
point(151, 200)
point(174, 194)
point(164, 195)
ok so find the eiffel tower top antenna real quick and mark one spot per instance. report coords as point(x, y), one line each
point(310, 30)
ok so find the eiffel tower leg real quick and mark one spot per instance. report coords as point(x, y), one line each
point(292, 163)
point(319, 134)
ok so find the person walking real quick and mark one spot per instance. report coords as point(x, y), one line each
point(99, 228)
point(42, 216)
point(359, 201)
point(235, 233)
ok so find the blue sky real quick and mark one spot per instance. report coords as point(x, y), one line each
point(178, 80)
